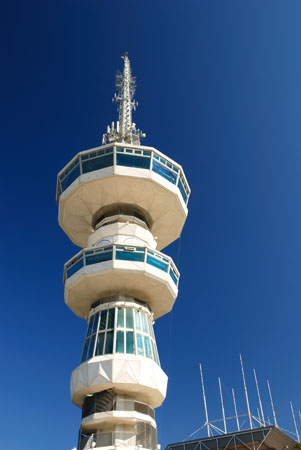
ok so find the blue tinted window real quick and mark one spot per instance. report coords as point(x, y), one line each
point(91, 347)
point(74, 268)
point(143, 162)
point(120, 318)
point(130, 256)
point(174, 278)
point(91, 322)
point(164, 172)
point(139, 344)
point(181, 187)
point(111, 318)
point(98, 258)
point(65, 181)
point(99, 346)
point(129, 342)
point(120, 342)
point(148, 352)
point(85, 351)
point(144, 325)
point(97, 163)
point(137, 320)
point(94, 329)
point(129, 318)
point(109, 342)
point(157, 263)
point(103, 319)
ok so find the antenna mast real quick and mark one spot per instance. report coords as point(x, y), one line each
point(259, 398)
point(205, 403)
point(235, 409)
point(246, 392)
point(125, 131)
point(296, 428)
point(222, 403)
point(272, 404)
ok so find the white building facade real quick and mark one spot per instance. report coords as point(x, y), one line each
point(122, 203)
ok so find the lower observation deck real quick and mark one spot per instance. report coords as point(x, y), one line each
point(136, 271)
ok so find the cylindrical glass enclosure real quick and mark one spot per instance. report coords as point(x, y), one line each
point(120, 327)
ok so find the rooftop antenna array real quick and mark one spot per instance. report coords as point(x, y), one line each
point(240, 419)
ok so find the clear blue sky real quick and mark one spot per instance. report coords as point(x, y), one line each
point(219, 90)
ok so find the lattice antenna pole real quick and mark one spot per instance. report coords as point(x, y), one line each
point(205, 403)
point(222, 403)
point(246, 392)
point(272, 404)
point(259, 398)
point(295, 423)
point(235, 409)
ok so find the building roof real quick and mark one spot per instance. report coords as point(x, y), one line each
point(265, 438)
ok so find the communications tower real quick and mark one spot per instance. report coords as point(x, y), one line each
point(122, 203)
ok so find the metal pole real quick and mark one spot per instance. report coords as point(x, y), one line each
point(293, 414)
point(205, 403)
point(272, 404)
point(222, 403)
point(299, 415)
point(235, 409)
point(246, 392)
point(259, 398)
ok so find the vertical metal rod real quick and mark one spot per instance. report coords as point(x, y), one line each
point(205, 403)
point(272, 404)
point(293, 414)
point(299, 415)
point(259, 398)
point(222, 403)
point(235, 409)
point(246, 392)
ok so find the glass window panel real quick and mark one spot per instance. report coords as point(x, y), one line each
point(111, 318)
point(85, 351)
point(91, 323)
point(120, 342)
point(120, 318)
point(153, 349)
point(99, 257)
point(109, 342)
point(129, 318)
point(140, 349)
point(75, 267)
point(137, 320)
point(157, 263)
point(144, 325)
point(103, 319)
point(148, 352)
point(130, 256)
point(99, 346)
point(130, 342)
point(165, 172)
point(94, 328)
point(133, 161)
point(100, 162)
point(151, 328)
point(68, 179)
point(91, 347)
point(173, 277)
point(181, 187)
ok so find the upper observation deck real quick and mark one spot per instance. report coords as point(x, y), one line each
point(122, 174)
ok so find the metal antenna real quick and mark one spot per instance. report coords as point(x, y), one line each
point(272, 404)
point(259, 398)
point(205, 403)
point(246, 392)
point(222, 403)
point(293, 414)
point(235, 409)
point(299, 415)
point(125, 130)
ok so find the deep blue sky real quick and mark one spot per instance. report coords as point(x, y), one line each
point(219, 91)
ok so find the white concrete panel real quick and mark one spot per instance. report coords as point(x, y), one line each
point(127, 374)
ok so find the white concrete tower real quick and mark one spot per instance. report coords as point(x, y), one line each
point(122, 203)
